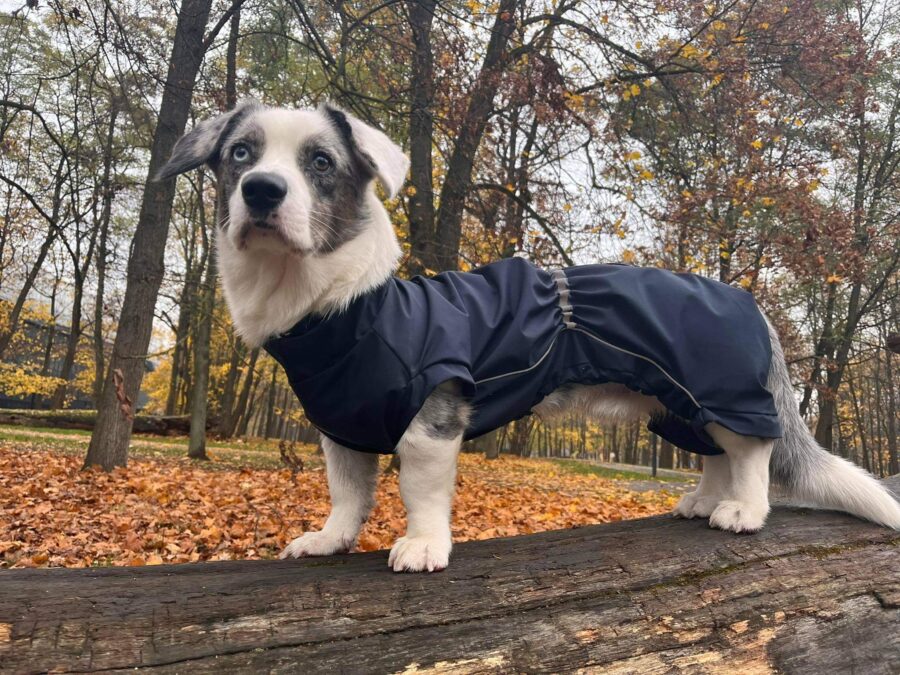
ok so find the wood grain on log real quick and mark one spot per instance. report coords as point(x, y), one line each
point(815, 592)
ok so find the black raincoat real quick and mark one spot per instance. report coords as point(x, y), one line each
point(511, 333)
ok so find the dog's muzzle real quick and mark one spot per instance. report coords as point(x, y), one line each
point(263, 192)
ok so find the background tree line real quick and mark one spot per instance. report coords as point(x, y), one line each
point(752, 141)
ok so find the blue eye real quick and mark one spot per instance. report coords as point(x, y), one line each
point(240, 153)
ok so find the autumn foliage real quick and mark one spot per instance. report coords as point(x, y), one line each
point(753, 141)
point(164, 510)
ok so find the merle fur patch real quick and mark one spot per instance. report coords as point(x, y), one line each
point(229, 172)
point(338, 210)
point(202, 144)
point(445, 413)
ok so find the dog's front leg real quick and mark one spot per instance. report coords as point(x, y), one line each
point(427, 483)
point(428, 453)
point(352, 477)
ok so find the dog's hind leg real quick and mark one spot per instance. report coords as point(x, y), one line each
point(745, 504)
point(715, 481)
point(428, 453)
point(351, 482)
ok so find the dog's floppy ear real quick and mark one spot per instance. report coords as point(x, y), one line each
point(380, 153)
point(200, 144)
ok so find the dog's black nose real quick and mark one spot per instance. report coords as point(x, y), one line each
point(263, 191)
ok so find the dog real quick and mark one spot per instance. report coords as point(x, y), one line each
point(307, 254)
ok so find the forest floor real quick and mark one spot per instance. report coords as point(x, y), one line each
point(245, 503)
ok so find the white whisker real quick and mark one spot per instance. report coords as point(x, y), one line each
point(323, 225)
point(331, 215)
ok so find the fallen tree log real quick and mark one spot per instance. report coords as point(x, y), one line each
point(159, 425)
point(814, 592)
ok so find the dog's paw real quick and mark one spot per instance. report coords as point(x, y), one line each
point(314, 544)
point(685, 506)
point(704, 506)
point(693, 505)
point(420, 554)
point(737, 516)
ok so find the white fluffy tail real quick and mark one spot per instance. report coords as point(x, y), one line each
point(810, 473)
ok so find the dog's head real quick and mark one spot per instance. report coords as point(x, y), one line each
point(290, 180)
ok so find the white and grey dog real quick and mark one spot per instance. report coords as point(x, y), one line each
point(303, 233)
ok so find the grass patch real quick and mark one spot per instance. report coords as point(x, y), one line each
point(587, 469)
point(67, 441)
point(23, 431)
point(258, 453)
point(255, 454)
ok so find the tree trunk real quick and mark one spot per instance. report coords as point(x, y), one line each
point(186, 304)
point(493, 444)
point(16, 312)
point(244, 397)
point(248, 410)
point(109, 442)
point(520, 433)
point(279, 424)
point(80, 268)
point(199, 399)
point(51, 336)
point(814, 592)
point(869, 186)
point(421, 137)
point(75, 328)
point(101, 253)
point(891, 383)
point(860, 425)
point(234, 33)
point(459, 167)
point(270, 404)
point(666, 455)
point(229, 391)
point(827, 407)
point(59, 396)
point(823, 345)
point(181, 380)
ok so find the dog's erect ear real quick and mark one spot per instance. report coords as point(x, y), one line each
point(200, 144)
point(383, 156)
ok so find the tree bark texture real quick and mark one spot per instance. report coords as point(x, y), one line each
point(244, 397)
point(238, 351)
point(180, 358)
point(448, 228)
point(814, 592)
point(109, 443)
point(421, 133)
point(200, 398)
point(102, 252)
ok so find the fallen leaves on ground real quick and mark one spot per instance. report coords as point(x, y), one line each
point(54, 514)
